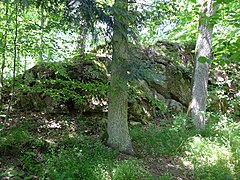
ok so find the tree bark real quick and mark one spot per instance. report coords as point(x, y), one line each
point(118, 132)
point(200, 78)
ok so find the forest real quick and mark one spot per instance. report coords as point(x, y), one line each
point(120, 89)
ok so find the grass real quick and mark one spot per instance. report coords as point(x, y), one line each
point(65, 152)
point(164, 140)
point(74, 149)
point(87, 161)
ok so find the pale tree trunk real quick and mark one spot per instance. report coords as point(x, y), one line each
point(118, 132)
point(200, 78)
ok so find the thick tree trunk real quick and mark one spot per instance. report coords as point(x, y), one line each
point(200, 78)
point(118, 99)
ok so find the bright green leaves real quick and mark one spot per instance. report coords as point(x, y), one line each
point(225, 25)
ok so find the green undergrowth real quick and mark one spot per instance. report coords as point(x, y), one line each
point(75, 154)
point(216, 151)
point(67, 155)
point(77, 159)
point(210, 154)
point(88, 160)
point(167, 139)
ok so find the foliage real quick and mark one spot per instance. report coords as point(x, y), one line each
point(47, 34)
point(66, 82)
point(167, 139)
point(33, 39)
point(158, 19)
point(61, 153)
point(15, 141)
point(87, 161)
point(223, 90)
point(225, 32)
point(80, 156)
point(214, 152)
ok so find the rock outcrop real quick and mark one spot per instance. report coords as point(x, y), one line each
point(159, 82)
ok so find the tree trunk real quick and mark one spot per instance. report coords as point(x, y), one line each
point(41, 51)
point(118, 132)
point(81, 40)
point(200, 78)
point(4, 54)
point(14, 62)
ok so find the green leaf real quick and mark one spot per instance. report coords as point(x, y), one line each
point(202, 59)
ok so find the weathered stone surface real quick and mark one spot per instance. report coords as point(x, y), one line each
point(164, 84)
point(175, 106)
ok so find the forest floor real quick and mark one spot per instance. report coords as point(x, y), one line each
point(35, 145)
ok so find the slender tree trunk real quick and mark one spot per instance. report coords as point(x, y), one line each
point(200, 78)
point(81, 40)
point(118, 132)
point(14, 62)
point(42, 33)
point(4, 54)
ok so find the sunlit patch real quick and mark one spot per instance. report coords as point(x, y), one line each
point(238, 94)
point(50, 141)
point(102, 171)
point(205, 151)
point(187, 164)
point(195, 103)
point(95, 102)
point(51, 124)
point(146, 112)
point(226, 124)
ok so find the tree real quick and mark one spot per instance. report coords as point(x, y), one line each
point(81, 40)
point(4, 46)
point(118, 99)
point(203, 54)
point(41, 43)
point(14, 60)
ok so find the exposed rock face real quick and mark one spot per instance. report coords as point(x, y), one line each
point(163, 80)
point(159, 82)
